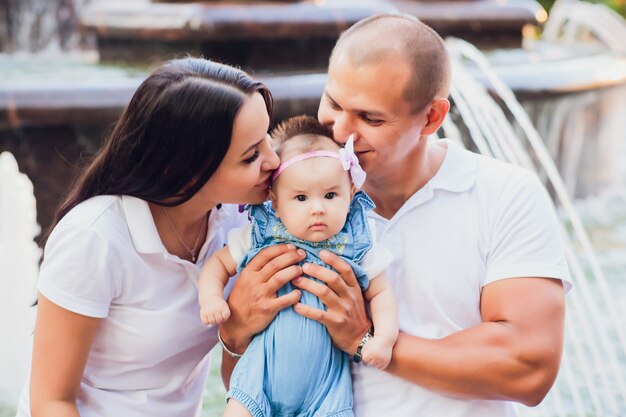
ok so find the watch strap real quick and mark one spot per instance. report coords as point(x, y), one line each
point(358, 355)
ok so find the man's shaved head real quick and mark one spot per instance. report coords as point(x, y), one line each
point(403, 39)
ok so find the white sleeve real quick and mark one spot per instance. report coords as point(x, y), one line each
point(378, 257)
point(525, 239)
point(80, 271)
point(239, 242)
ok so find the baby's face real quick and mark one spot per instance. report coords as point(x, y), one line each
point(312, 198)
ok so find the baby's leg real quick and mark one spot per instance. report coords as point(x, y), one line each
point(235, 409)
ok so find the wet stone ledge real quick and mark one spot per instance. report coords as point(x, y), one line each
point(283, 35)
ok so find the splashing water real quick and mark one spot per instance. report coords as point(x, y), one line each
point(42, 26)
point(592, 377)
point(573, 21)
point(19, 260)
point(592, 373)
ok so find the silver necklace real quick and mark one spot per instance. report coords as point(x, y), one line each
point(192, 251)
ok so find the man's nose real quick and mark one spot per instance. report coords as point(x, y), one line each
point(342, 128)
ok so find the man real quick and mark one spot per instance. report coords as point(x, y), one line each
point(480, 269)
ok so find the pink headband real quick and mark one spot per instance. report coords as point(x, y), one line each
point(346, 156)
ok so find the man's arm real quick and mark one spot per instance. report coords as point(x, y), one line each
point(513, 355)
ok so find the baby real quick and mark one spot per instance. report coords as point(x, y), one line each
point(292, 368)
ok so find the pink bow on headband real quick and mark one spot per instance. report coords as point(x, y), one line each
point(350, 162)
point(346, 156)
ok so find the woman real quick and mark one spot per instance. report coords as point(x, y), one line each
point(118, 330)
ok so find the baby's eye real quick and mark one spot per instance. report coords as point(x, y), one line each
point(301, 197)
point(330, 196)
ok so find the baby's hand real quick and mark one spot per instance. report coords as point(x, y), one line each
point(214, 310)
point(377, 352)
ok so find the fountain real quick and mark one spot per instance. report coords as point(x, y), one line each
point(68, 108)
point(593, 372)
point(560, 87)
point(19, 260)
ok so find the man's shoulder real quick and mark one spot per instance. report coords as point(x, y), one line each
point(494, 173)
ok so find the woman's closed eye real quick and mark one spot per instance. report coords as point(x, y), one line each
point(253, 158)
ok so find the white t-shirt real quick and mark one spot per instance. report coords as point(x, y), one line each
point(374, 262)
point(478, 220)
point(150, 355)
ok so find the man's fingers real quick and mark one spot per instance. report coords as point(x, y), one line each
point(282, 261)
point(283, 276)
point(310, 312)
point(323, 292)
point(342, 267)
point(268, 254)
point(331, 278)
point(286, 300)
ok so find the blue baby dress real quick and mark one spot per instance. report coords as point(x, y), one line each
point(292, 369)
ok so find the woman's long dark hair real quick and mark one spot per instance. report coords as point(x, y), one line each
point(172, 136)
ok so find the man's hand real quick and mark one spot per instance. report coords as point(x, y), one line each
point(345, 316)
point(253, 302)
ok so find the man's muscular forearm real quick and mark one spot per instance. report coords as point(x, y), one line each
point(513, 355)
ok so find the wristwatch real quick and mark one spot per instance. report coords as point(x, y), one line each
point(357, 357)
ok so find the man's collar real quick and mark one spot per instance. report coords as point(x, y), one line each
point(457, 172)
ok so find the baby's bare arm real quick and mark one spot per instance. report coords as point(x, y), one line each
point(383, 308)
point(377, 351)
point(213, 279)
point(215, 274)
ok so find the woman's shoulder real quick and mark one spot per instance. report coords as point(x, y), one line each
point(91, 211)
point(99, 216)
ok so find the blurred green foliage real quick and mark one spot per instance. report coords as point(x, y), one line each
point(617, 5)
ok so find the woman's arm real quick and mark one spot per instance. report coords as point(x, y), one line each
point(61, 347)
point(253, 302)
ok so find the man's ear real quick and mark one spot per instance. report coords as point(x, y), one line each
point(436, 115)
point(274, 203)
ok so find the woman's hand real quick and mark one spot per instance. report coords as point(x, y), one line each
point(253, 302)
point(345, 316)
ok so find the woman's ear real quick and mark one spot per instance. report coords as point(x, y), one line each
point(274, 203)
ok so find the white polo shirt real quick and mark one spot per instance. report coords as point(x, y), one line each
point(150, 355)
point(478, 220)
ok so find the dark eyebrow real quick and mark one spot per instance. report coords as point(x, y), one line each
point(249, 148)
point(360, 111)
point(371, 113)
point(329, 97)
